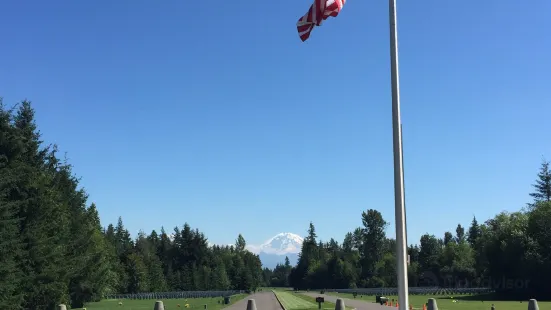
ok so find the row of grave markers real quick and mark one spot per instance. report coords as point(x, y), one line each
point(363, 291)
point(413, 291)
point(339, 305)
point(175, 295)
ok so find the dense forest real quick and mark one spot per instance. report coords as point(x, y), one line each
point(53, 248)
point(510, 253)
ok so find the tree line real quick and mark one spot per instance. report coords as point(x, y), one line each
point(510, 253)
point(53, 248)
point(181, 261)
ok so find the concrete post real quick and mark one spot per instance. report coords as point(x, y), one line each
point(339, 305)
point(432, 304)
point(251, 304)
point(533, 305)
point(159, 305)
point(61, 307)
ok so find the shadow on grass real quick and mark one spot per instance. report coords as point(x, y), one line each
point(325, 305)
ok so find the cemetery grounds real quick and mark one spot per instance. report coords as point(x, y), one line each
point(462, 302)
point(213, 303)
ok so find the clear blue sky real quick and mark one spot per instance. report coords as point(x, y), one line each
point(215, 113)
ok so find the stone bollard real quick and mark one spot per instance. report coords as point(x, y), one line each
point(61, 307)
point(251, 304)
point(432, 304)
point(533, 305)
point(159, 305)
point(339, 305)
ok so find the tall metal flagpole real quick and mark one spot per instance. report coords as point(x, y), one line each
point(404, 186)
point(398, 168)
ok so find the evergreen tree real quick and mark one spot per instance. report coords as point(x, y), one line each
point(474, 232)
point(311, 234)
point(374, 236)
point(137, 274)
point(543, 184)
point(448, 237)
point(45, 221)
point(240, 243)
point(11, 295)
point(459, 234)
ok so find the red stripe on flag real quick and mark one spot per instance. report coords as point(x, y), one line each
point(319, 11)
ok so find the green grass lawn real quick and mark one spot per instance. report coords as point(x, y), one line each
point(294, 301)
point(194, 303)
point(463, 302)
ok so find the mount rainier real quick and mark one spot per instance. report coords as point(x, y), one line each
point(274, 250)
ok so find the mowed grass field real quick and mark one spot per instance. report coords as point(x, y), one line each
point(463, 302)
point(293, 301)
point(170, 304)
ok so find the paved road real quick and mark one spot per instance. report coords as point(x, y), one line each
point(358, 304)
point(263, 300)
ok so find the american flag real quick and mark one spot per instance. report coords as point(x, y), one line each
point(318, 12)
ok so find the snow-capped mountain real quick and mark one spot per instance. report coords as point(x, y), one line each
point(283, 243)
point(274, 250)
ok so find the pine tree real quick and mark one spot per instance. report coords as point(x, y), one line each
point(123, 249)
point(157, 279)
point(373, 236)
point(11, 295)
point(219, 277)
point(93, 275)
point(311, 233)
point(137, 274)
point(459, 233)
point(45, 222)
point(474, 232)
point(240, 243)
point(543, 184)
point(448, 237)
